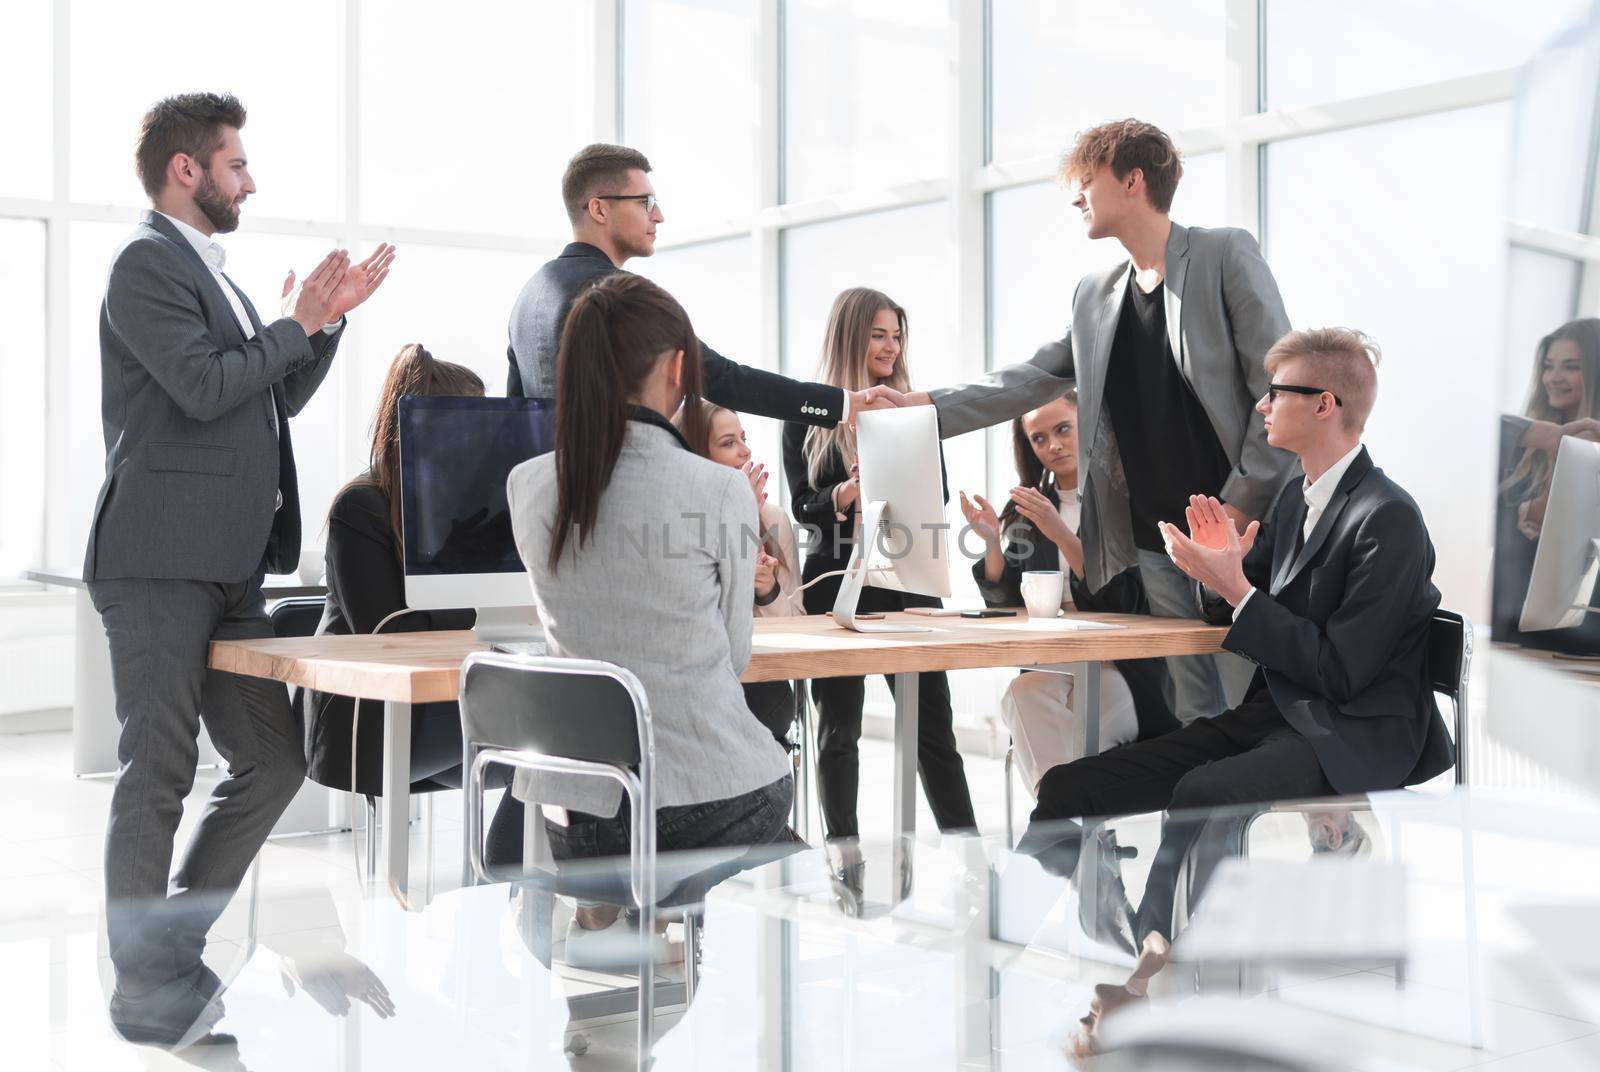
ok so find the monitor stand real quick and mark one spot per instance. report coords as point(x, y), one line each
point(508, 625)
point(844, 607)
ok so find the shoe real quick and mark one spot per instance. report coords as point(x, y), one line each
point(175, 1015)
point(615, 947)
point(848, 878)
point(1109, 917)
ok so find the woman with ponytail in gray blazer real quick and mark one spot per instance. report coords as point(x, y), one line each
point(636, 549)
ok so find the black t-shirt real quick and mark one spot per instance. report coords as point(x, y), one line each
point(1169, 449)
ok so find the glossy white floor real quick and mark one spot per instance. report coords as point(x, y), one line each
point(52, 1000)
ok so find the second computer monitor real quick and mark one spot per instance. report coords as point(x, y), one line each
point(901, 541)
point(1567, 561)
point(898, 454)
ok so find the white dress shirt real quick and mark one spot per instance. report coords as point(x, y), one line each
point(215, 256)
point(1070, 511)
point(1318, 495)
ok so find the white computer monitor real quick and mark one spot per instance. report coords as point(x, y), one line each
point(1567, 559)
point(458, 550)
point(902, 542)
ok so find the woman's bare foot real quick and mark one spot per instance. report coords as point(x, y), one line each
point(1154, 954)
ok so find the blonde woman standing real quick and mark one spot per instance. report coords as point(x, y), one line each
point(864, 346)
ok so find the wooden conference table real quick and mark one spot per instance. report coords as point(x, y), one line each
point(403, 669)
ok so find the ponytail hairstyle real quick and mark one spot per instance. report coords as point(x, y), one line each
point(617, 333)
point(413, 371)
point(843, 363)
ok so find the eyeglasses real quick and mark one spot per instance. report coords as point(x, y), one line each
point(648, 200)
point(1273, 390)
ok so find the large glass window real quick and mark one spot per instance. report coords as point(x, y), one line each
point(1059, 67)
point(455, 302)
point(1385, 256)
point(1555, 137)
point(467, 119)
point(715, 284)
point(89, 250)
point(866, 94)
point(293, 134)
point(26, 71)
point(1324, 52)
point(22, 403)
point(696, 121)
point(906, 253)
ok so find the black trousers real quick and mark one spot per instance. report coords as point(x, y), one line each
point(944, 779)
point(1247, 755)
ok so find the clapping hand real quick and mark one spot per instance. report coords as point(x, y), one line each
point(981, 516)
point(846, 493)
point(1034, 505)
point(362, 279)
point(766, 574)
point(1213, 551)
point(757, 475)
point(1209, 523)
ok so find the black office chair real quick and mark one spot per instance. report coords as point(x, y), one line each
point(1449, 671)
point(297, 617)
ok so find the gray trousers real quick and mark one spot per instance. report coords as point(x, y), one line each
point(1205, 685)
point(159, 633)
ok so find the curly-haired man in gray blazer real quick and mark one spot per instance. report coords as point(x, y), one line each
point(199, 502)
point(1166, 352)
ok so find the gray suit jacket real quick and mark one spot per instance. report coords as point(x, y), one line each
point(665, 586)
point(188, 405)
point(1223, 315)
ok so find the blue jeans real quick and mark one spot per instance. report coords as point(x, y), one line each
point(759, 817)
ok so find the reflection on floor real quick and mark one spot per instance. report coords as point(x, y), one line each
point(52, 1002)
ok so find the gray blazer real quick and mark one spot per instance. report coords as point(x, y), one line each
point(1223, 315)
point(657, 591)
point(194, 468)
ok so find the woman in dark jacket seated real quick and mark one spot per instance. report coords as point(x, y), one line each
point(366, 588)
point(1040, 527)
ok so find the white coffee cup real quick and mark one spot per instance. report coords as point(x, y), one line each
point(1042, 591)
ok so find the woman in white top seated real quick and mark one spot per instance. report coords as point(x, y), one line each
point(635, 546)
point(1040, 527)
point(777, 561)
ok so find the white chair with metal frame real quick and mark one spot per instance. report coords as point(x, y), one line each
point(516, 711)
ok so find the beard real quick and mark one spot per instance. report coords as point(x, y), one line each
point(223, 214)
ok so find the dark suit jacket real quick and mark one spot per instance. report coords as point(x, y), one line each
point(541, 312)
point(831, 542)
point(1027, 550)
point(1340, 630)
point(365, 585)
point(193, 469)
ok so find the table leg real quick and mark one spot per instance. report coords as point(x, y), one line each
point(905, 778)
point(1088, 694)
point(396, 805)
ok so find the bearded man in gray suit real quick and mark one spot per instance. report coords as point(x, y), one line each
point(1166, 351)
point(199, 501)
